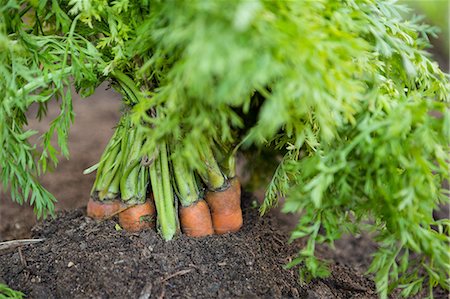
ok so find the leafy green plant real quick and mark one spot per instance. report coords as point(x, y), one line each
point(340, 94)
point(436, 13)
point(7, 293)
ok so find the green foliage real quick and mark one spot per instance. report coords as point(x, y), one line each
point(34, 67)
point(347, 95)
point(436, 13)
point(7, 293)
point(343, 91)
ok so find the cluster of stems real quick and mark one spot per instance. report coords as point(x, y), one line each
point(143, 187)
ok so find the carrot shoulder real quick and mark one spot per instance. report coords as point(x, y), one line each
point(138, 217)
point(225, 208)
point(223, 197)
point(196, 219)
point(100, 210)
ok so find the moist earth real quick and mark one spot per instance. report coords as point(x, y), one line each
point(82, 258)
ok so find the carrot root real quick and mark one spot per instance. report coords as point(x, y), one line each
point(138, 217)
point(196, 219)
point(100, 210)
point(226, 210)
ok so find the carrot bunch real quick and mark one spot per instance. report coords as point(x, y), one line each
point(143, 187)
point(122, 180)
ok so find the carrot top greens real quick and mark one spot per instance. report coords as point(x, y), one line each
point(340, 95)
point(8, 293)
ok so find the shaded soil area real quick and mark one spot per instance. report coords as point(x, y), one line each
point(81, 258)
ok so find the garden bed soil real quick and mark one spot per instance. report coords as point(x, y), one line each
point(82, 258)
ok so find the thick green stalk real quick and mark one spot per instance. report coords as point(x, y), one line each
point(133, 189)
point(129, 184)
point(42, 81)
point(213, 178)
point(163, 195)
point(134, 177)
point(186, 185)
point(228, 165)
point(231, 161)
point(128, 86)
point(167, 185)
point(134, 183)
point(113, 188)
point(104, 171)
point(226, 159)
point(106, 181)
point(113, 170)
point(111, 148)
point(108, 187)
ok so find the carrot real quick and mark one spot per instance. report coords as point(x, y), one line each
point(224, 200)
point(102, 209)
point(137, 217)
point(225, 208)
point(196, 219)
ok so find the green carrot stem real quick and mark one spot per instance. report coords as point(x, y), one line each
point(128, 86)
point(232, 166)
point(42, 81)
point(141, 185)
point(226, 159)
point(157, 188)
point(228, 165)
point(128, 185)
point(112, 190)
point(112, 173)
point(214, 178)
point(132, 189)
point(109, 177)
point(143, 181)
point(107, 170)
point(167, 185)
point(219, 153)
point(104, 170)
point(185, 182)
point(163, 195)
point(134, 183)
point(112, 148)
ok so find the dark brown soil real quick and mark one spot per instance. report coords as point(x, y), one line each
point(81, 258)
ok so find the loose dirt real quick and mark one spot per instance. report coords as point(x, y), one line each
point(82, 258)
